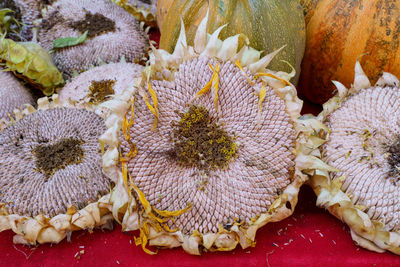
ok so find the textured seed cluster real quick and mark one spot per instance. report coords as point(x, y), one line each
point(364, 145)
point(201, 142)
point(72, 175)
point(13, 95)
point(112, 34)
point(88, 84)
point(249, 183)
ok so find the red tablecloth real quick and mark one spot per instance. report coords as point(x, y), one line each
point(311, 237)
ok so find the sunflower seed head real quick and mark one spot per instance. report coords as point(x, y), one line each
point(364, 146)
point(98, 83)
point(241, 187)
point(51, 159)
point(112, 34)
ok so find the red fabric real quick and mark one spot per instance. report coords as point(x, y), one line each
point(311, 237)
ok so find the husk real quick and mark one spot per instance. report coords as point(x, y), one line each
point(32, 62)
point(133, 214)
point(368, 233)
point(41, 229)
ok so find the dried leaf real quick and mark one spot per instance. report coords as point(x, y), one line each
point(69, 41)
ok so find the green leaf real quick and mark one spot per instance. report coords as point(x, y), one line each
point(69, 41)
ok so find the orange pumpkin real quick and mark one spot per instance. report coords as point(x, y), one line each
point(340, 31)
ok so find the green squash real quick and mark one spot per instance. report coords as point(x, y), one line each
point(269, 25)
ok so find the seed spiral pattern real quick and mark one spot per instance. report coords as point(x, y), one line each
point(125, 39)
point(256, 175)
point(12, 94)
point(364, 146)
point(122, 73)
point(25, 188)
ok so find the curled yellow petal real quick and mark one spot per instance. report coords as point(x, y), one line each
point(237, 63)
point(126, 125)
point(154, 109)
point(167, 214)
point(272, 76)
point(215, 82)
point(261, 96)
point(212, 84)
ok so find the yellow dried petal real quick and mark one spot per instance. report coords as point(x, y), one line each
point(272, 76)
point(237, 63)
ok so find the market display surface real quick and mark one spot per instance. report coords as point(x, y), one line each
point(116, 152)
point(310, 237)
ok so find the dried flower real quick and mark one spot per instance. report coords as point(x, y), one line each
point(211, 146)
point(50, 167)
point(363, 146)
point(97, 84)
point(112, 34)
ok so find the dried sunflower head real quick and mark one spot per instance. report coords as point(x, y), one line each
point(26, 12)
point(112, 33)
point(12, 94)
point(364, 147)
point(51, 176)
point(142, 10)
point(211, 147)
point(97, 84)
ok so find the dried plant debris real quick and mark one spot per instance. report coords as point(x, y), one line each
point(210, 146)
point(25, 12)
point(363, 146)
point(13, 95)
point(112, 34)
point(30, 62)
point(51, 175)
point(99, 83)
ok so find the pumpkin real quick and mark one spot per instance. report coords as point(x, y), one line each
point(338, 33)
point(162, 10)
point(268, 24)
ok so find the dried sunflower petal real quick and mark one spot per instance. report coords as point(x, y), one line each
point(363, 145)
point(112, 34)
point(51, 176)
point(212, 172)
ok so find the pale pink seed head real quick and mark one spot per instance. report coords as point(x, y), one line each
point(253, 178)
point(120, 36)
point(70, 173)
point(13, 95)
point(364, 144)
